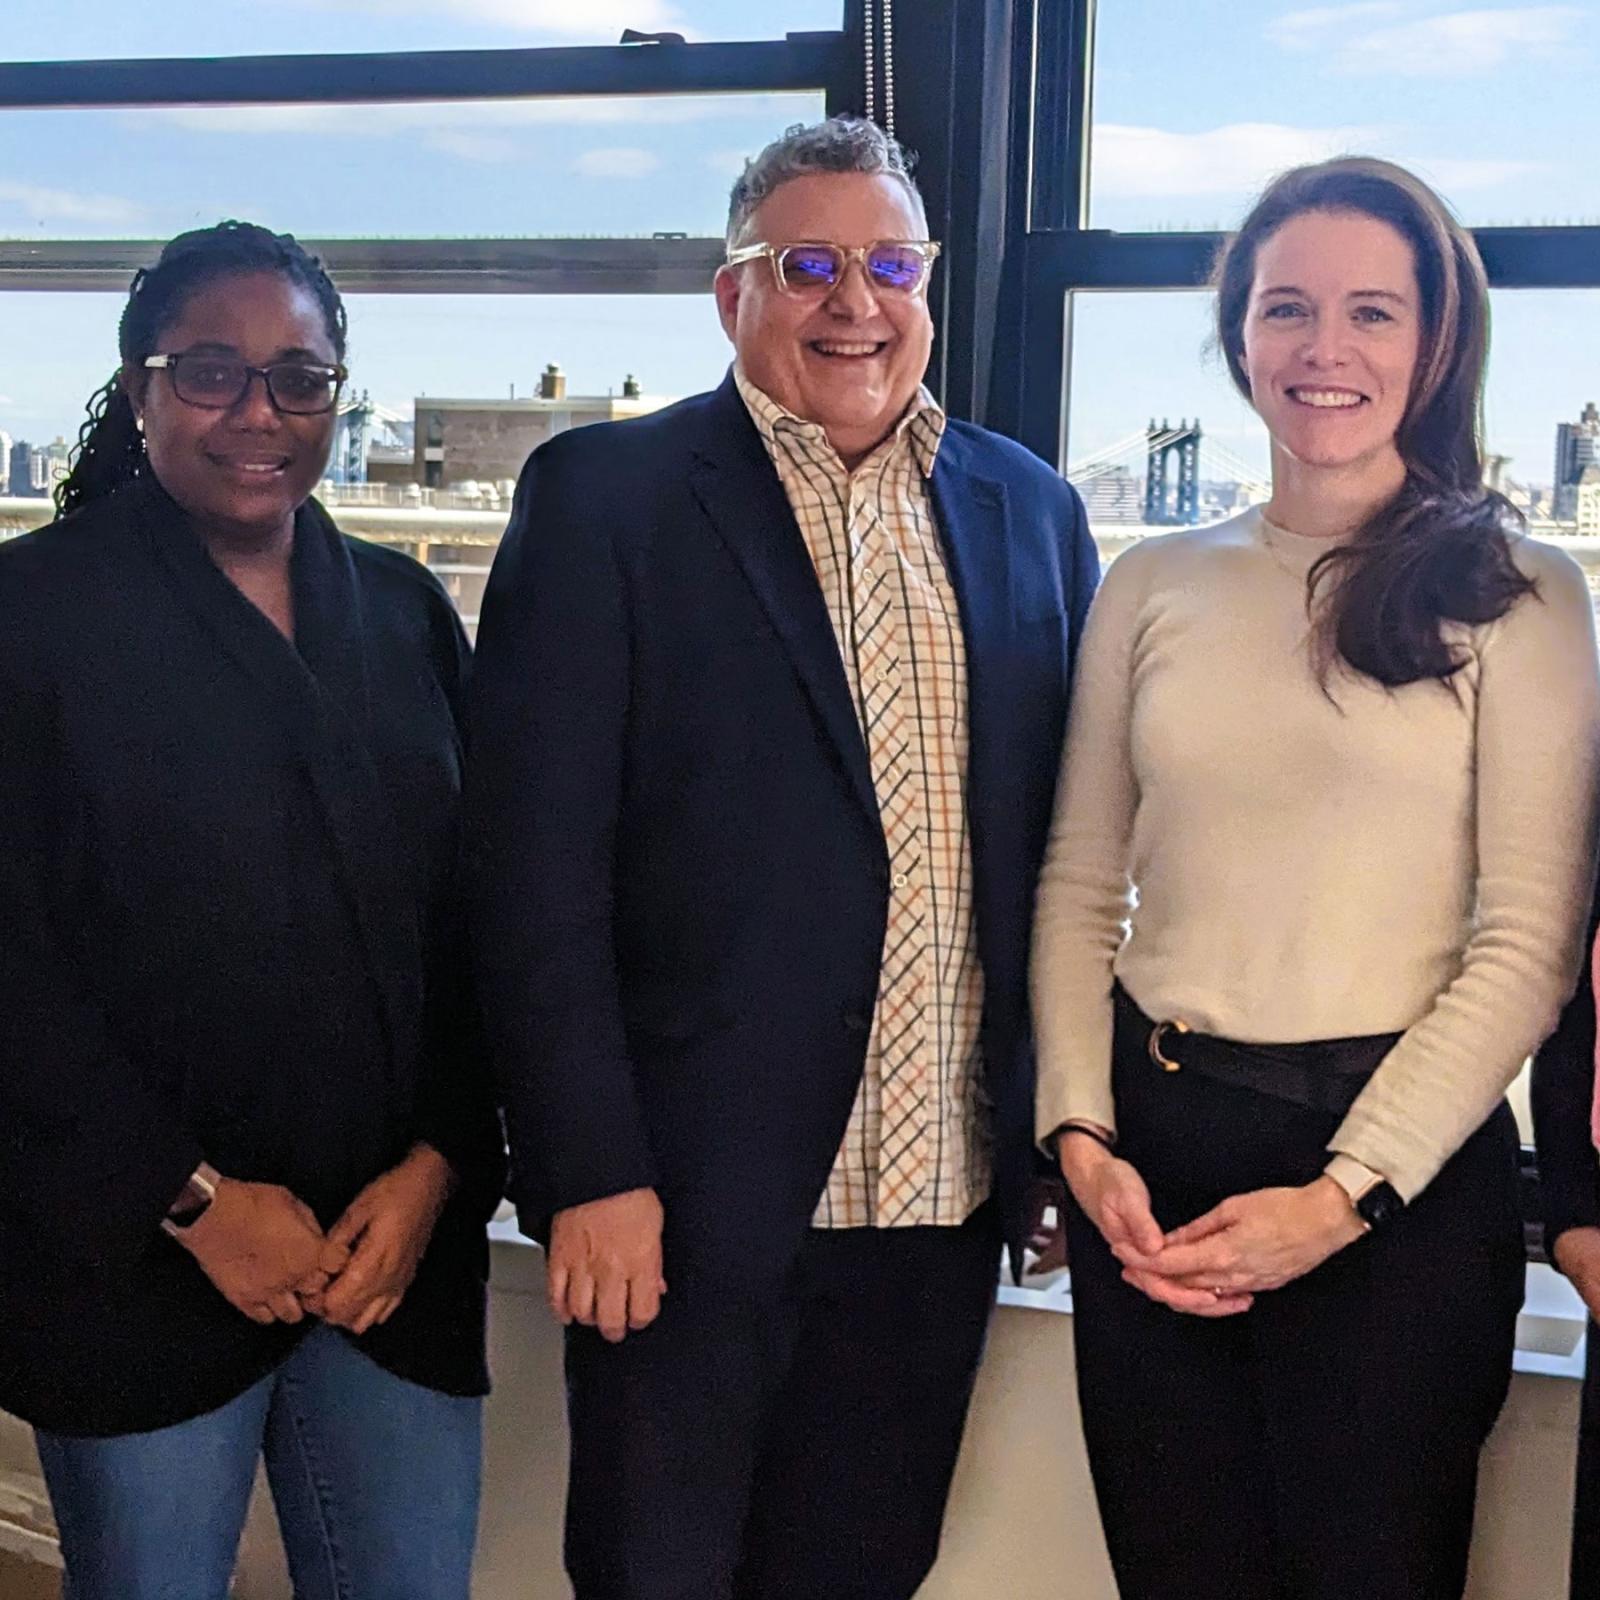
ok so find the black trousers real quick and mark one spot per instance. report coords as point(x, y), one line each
point(793, 1443)
point(1586, 1500)
point(1323, 1445)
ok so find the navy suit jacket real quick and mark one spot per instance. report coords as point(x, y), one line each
point(679, 874)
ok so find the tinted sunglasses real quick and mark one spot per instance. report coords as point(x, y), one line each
point(900, 266)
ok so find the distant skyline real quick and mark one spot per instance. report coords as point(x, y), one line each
point(1196, 101)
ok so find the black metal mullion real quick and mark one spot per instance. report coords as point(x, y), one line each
point(1063, 82)
point(800, 62)
point(408, 266)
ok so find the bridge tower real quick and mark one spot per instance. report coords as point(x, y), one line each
point(1172, 487)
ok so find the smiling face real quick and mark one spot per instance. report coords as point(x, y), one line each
point(1332, 333)
point(850, 358)
point(245, 471)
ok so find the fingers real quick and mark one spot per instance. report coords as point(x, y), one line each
point(257, 1312)
point(557, 1276)
point(644, 1301)
point(611, 1307)
point(349, 1228)
point(581, 1292)
point(333, 1260)
point(350, 1292)
point(1132, 1230)
point(380, 1309)
point(1212, 1222)
point(1180, 1297)
point(285, 1307)
point(1215, 1260)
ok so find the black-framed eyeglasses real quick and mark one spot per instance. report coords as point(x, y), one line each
point(900, 266)
point(217, 383)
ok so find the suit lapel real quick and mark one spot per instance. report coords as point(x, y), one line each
point(739, 490)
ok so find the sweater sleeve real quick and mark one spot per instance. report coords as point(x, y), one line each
point(1563, 1093)
point(1538, 734)
point(1085, 894)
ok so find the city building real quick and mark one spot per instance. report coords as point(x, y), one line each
point(1586, 502)
point(458, 442)
point(1577, 448)
point(18, 462)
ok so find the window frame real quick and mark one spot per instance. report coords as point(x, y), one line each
point(825, 62)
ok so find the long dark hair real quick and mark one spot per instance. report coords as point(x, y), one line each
point(110, 449)
point(1440, 550)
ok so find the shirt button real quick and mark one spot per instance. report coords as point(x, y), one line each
point(900, 880)
point(883, 674)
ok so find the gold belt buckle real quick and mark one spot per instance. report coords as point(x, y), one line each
point(1159, 1032)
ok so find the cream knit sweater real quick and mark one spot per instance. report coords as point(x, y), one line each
point(1271, 865)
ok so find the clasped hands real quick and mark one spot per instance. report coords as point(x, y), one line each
point(1215, 1265)
point(268, 1256)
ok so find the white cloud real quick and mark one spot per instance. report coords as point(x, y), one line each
point(1450, 44)
point(66, 205)
point(1239, 157)
point(1236, 160)
point(621, 162)
point(1301, 29)
point(569, 18)
point(389, 121)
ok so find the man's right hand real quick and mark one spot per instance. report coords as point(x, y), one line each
point(1577, 1255)
point(604, 1267)
point(259, 1245)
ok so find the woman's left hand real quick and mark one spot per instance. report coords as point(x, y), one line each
point(1257, 1241)
point(386, 1228)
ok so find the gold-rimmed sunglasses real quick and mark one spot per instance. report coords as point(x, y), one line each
point(900, 266)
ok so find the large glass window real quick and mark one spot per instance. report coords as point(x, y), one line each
point(1197, 102)
point(565, 167)
point(87, 30)
point(1144, 360)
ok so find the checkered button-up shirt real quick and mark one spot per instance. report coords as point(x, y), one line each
point(917, 1147)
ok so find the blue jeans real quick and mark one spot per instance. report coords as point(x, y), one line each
point(376, 1482)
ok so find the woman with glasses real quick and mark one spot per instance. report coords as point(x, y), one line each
point(1315, 888)
point(249, 1149)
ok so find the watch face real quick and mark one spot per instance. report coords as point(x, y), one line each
point(1380, 1204)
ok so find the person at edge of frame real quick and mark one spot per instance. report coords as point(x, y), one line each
point(770, 695)
point(1315, 889)
point(250, 1144)
point(1566, 1123)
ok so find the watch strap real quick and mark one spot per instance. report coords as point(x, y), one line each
point(194, 1199)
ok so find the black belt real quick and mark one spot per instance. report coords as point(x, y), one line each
point(1321, 1075)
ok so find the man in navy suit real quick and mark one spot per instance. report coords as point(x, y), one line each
point(769, 704)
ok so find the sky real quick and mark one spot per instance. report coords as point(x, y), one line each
point(1196, 102)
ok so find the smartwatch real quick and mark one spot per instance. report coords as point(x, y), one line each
point(193, 1201)
point(1380, 1205)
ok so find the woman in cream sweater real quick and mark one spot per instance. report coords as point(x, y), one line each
point(1315, 889)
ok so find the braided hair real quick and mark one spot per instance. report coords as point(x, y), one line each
point(110, 448)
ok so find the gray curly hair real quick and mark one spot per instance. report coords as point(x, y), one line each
point(841, 144)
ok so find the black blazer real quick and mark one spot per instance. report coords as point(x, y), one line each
point(679, 877)
point(227, 867)
point(1562, 1096)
